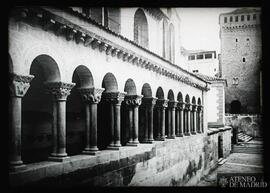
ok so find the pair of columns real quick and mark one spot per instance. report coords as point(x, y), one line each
point(133, 102)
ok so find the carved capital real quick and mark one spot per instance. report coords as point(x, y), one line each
point(194, 107)
point(59, 90)
point(149, 101)
point(91, 95)
point(114, 97)
point(162, 103)
point(172, 104)
point(199, 108)
point(187, 107)
point(19, 84)
point(180, 105)
point(133, 100)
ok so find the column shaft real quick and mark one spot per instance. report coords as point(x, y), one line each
point(146, 125)
point(173, 123)
point(163, 123)
point(93, 127)
point(188, 122)
point(169, 123)
point(87, 127)
point(15, 132)
point(130, 124)
point(181, 122)
point(117, 132)
point(151, 126)
point(61, 126)
point(112, 124)
point(159, 123)
point(177, 122)
point(54, 128)
point(136, 124)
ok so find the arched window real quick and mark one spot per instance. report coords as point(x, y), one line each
point(231, 19)
point(171, 43)
point(225, 19)
point(140, 28)
point(165, 39)
point(112, 19)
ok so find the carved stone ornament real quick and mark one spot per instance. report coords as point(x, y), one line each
point(180, 105)
point(59, 90)
point(19, 84)
point(199, 108)
point(114, 97)
point(172, 104)
point(133, 100)
point(194, 107)
point(149, 101)
point(187, 107)
point(91, 95)
point(162, 103)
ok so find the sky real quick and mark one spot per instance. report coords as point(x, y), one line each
point(200, 28)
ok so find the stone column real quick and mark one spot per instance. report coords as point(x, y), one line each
point(162, 104)
point(194, 111)
point(115, 98)
point(149, 103)
point(172, 106)
point(179, 132)
point(59, 92)
point(187, 109)
point(133, 102)
point(91, 97)
point(199, 108)
point(18, 87)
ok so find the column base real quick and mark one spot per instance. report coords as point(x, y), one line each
point(148, 141)
point(90, 152)
point(199, 132)
point(160, 139)
point(179, 135)
point(110, 147)
point(58, 159)
point(133, 144)
point(15, 168)
point(171, 137)
point(187, 134)
point(193, 133)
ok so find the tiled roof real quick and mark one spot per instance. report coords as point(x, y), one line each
point(209, 78)
point(244, 10)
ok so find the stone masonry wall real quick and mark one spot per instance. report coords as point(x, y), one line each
point(174, 162)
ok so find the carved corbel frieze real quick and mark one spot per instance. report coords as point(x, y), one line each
point(95, 43)
point(19, 84)
point(59, 90)
point(109, 50)
point(120, 54)
point(130, 57)
point(70, 34)
point(114, 52)
point(47, 24)
point(88, 40)
point(60, 30)
point(103, 47)
point(79, 37)
point(91, 95)
point(135, 60)
point(125, 56)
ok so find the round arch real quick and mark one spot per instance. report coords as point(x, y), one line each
point(146, 90)
point(83, 78)
point(140, 28)
point(160, 93)
point(180, 97)
point(199, 101)
point(170, 95)
point(187, 100)
point(193, 101)
point(235, 107)
point(130, 87)
point(46, 68)
point(109, 82)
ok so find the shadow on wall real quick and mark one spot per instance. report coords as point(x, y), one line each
point(248, 124)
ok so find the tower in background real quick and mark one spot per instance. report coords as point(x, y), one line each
point(241, 52)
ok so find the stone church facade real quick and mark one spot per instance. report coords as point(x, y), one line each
point(241, 52)
point(98, 98)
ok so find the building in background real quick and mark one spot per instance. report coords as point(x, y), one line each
point(241, 52)
point(201, 61)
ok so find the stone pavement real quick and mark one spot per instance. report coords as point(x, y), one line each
point(236, 163)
